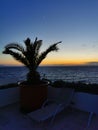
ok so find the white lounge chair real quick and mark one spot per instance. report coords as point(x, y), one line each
point(58, 99)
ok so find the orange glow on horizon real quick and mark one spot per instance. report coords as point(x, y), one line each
point(62, 63)
point(47, 62)
point(67, 62)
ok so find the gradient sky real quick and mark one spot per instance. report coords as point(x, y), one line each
point(74, 22)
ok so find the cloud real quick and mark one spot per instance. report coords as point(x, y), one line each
point(92, 63)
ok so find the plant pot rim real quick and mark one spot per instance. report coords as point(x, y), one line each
point(24, 83)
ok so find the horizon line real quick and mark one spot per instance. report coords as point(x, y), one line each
point(51, 65)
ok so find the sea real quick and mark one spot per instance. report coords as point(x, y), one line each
point(87, 74)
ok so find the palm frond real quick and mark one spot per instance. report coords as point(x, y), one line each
point(32, 50)
point(35, 52)
point(38, 45)
point(44, 54)
point(35, 40)
point(15, 46)
point(28, 44)
point(19, 57)
point(53, 47)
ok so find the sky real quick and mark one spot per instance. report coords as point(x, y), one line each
point(74, 22)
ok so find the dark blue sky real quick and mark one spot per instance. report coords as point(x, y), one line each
point(75, 22)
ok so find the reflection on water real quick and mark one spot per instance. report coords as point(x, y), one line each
point(87, 74)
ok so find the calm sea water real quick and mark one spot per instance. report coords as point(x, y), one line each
point(88, 74)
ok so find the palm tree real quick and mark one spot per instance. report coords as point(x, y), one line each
point(30, 56)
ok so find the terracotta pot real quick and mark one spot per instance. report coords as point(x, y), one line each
point(32, 97)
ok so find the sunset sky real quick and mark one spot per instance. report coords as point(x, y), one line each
point(74, 22)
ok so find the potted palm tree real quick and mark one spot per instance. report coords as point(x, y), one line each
point(33, 91)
